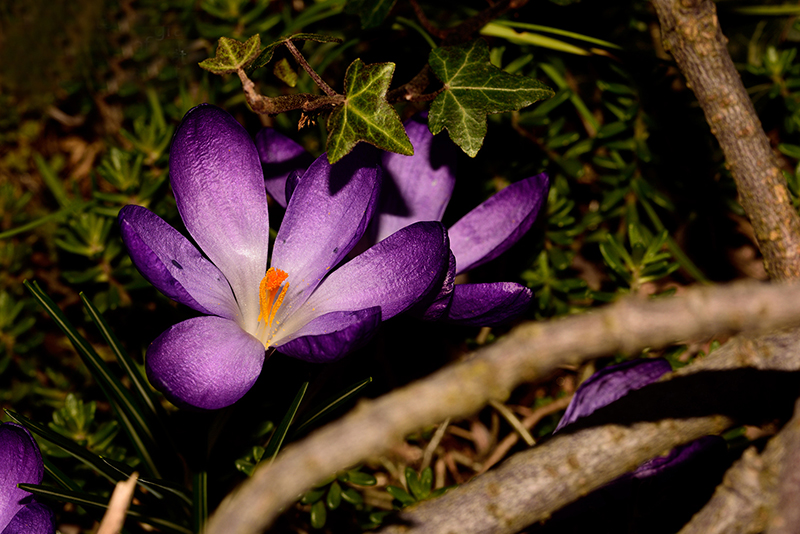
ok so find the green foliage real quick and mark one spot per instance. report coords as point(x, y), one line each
point(420, 488)
point(266, 54)
point(233, 55)
point(371, 12)
point(365, 114)
point(473, 89)
point(329, 495)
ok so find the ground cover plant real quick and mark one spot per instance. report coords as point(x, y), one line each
point(357, 265)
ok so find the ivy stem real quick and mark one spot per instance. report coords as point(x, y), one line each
point(311, 72)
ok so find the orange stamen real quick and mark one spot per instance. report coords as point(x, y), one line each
point(270, 299)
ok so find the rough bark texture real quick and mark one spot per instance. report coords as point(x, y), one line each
point(692, 34)
point(530, 352)
point(737, 382)
point(785, 460)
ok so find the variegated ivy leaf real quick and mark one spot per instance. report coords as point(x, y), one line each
point(232, 55)
point(266, 55)
point(473, 89)
point(365, 114)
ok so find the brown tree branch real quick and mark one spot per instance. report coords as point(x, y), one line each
point(692, 34)
point(785, 460)
point(736, 383)
point(530, 352)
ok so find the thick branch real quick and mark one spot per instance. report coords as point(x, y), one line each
point(531, 352)
point(737, 382)
point(693, 36)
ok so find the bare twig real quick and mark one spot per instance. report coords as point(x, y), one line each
point(530, 352)
point(529, 422)
point(114, 518)
point(426, 23)
point(305, 102)
point(311, 72)
point(692, 34)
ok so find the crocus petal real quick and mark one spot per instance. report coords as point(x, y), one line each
point(689, 452)
point(279, 156)
point(219, 188)
point(612, 383)
point(490, 229)
point(34, 518)
point(205, 362)
point(20, 462)
point(487, 304)
point(173, 265)
point(416, 188)
point(333, 335)
point(330, 208)
point(435, 306)
point(395, 274)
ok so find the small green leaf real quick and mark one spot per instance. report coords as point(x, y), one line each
point(420, 486)
point(334, 497)
point(319, 514)
point(371, 12)
point(232, 55)
point(277, 438)
point(285, 73)
point(473, 89)
point(352, 496)
point(401, 495)
point(312, 496)
point(354, 476)
point(365, 114)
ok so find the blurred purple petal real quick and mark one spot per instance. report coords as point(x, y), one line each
point(395, 274)
point(279, 157)
point(34, 518)
point(416, 188)
point(487, 304)
point(20, 463)
point(172, 264)
point(219, 188)
point(333, 335)
point(612, 383)
point(490, 229)
point(206, 362)
point(681, 455)
point(328, 213)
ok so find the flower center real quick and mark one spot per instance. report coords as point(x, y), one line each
point(270, 296)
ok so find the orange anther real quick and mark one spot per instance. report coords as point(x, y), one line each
point(268, 290)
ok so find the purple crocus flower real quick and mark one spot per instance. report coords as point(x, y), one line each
point(656, 488)
point(305, 305)
point(21, 463)
point(418, 188)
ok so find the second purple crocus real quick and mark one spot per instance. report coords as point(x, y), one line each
point(21, 463)
point(306, 304)
point(418, 188)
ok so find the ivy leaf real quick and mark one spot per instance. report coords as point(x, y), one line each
point(232, 55)
point(473, 89)
point(266, 55)
point(371, 12)
point(284, 72)
point(365, 114)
